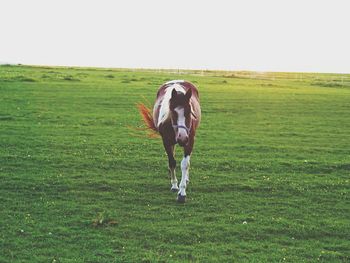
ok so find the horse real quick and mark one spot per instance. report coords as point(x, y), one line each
point(176, 116)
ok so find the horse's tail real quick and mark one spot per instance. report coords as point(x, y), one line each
point(147, 117)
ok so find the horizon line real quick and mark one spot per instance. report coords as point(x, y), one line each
point(170, 68)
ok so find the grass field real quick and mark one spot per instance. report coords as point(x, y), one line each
point(269, 173)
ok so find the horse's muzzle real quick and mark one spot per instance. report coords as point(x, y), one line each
point(182, 142)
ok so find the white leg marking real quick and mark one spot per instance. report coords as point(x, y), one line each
point(185, 166)
point(173, 179)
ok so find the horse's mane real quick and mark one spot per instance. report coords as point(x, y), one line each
point(164, 111)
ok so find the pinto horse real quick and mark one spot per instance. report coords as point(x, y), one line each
point(176, 116)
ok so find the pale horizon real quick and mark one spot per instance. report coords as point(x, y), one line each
point(278, 36)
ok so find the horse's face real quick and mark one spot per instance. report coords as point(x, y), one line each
point(180, 109)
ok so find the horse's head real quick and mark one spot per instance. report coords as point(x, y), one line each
point(181, 115)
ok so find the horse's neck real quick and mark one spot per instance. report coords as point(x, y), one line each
point(164, 111)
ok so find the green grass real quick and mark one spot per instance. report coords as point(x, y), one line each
point(269, 172)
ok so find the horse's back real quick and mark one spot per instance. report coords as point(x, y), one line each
point(185, 84)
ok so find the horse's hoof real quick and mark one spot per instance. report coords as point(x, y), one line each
point(181, 199)
point(174, 189)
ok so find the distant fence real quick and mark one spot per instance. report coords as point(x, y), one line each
point(325, 79)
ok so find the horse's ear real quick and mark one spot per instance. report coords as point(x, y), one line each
point(188, 94)
point(173, 94)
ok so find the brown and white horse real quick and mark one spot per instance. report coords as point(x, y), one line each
point(176, 116)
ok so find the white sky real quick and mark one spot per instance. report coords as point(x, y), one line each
point(264, 35)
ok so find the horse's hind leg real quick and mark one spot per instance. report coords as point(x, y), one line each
point(172, 165)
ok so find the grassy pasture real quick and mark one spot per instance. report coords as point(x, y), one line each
point(269, 174)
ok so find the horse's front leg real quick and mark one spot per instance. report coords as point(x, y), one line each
point(185, 167)
point(172, 165)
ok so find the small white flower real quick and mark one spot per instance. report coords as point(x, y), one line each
point(245, 222)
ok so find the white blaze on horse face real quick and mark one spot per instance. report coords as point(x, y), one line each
point(181, 135)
